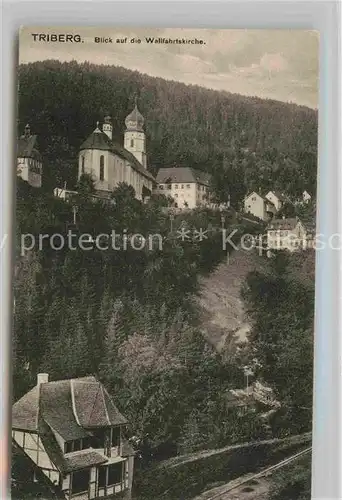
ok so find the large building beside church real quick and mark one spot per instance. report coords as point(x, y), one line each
point(189, 188)
point(109, 163)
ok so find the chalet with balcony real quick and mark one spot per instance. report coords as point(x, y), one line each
point(72, 430)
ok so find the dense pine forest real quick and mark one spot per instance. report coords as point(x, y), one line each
point(247, 143)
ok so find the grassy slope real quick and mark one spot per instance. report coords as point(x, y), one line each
point(222, 310)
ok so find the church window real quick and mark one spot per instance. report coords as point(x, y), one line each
point(82, 164)
point(101, 168)
point(132, 143)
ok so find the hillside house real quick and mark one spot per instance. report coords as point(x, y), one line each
point(306, 197)
point(259, 206)
point(72, 430)
point(278, 199)
point(110, 163)
point(287, 234)
point(187, 186)
point(29, 160)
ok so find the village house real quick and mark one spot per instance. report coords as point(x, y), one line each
point(278, 199)
point(287, 234)
point(306, 197)
point(29, 160)
point(110, 163)
point(188, 187)
point(259, 206)
point(72, 430)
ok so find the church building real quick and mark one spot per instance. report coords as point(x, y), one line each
point(109, 163)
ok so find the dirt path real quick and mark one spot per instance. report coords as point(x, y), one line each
point(182, 459)
point(256, 490)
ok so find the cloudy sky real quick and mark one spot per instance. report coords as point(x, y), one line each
point(276, 64)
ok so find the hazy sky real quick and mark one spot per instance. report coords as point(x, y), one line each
point(277, 64)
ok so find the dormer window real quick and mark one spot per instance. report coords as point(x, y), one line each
point(77, 444)
point(68, 447)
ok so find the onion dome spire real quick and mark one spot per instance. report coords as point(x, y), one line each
point(135, 120)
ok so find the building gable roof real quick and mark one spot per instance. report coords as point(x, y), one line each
point(289, 223)
point(263, 198)
point(56, 409)
point(71, 408)
point(93, 407)
point(277, 194)
point(99, 140)
point(256, 194)
point(25, 411)
point(182, 174)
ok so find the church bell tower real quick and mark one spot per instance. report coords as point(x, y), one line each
point(135, 140)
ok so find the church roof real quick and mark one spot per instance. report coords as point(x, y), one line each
point(100, 140)
point(182, 174)
point(135, 120)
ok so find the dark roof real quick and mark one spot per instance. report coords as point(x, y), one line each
point(278, 194)
point(100, 140)
point(83, 459)
point(69, 407)
point(182, 174)
point(93, 406)
point(57, 410)
point(27, 147)
point(289, 223)
point(25, 411)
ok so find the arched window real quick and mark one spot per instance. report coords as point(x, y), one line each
point(82, 165)
point(132, 143)
point(101, 168)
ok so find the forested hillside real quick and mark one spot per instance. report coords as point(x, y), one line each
point(246, 142)
point(127, 316)
point(131, 317)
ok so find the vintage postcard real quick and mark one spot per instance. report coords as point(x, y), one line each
point(165, 264)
